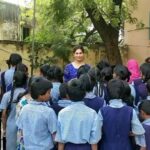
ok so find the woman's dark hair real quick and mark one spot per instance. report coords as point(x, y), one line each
point(44, 69)
point(115, 89)
point(55, 73)
point(88, 82)
point(145, 106)
point(78, 47)
point(14, 59)
point(127, 97)
point(122, 72)
point(145, 69)
point(76, 90)
point(83, 69)
point(63, 90)
point(102, 64)
point(39, 87)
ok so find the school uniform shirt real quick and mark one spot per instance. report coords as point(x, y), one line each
point(93, 101)
point(148, 98)
point(38, 122)
point(78, 124)
point(9, 76)
point(146, 125)
point(11, 128)
point(60, 105)
point(136, 126)
point(55, 92)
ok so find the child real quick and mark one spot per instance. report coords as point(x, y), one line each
point(82, 69)
point(8, 105)
point(118, 121)
point(36, 120)
point(145, 115)
point(90, 99)
point(79, 127)
point(44, 69)
point(64, 99)
point(7, 76)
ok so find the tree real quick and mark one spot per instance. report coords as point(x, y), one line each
point(64, 23)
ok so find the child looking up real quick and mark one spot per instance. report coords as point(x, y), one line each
point(79, 127)
point(36, 120)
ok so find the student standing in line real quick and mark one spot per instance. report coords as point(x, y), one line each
point(64, 100)
point(8, 105)
point(90, 99)
point(144, 110)
point(36, 120)
point(119, 121)
point(78, 125)
point(7, 76)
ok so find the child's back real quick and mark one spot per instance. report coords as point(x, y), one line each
point(37, 122)
point(79, 124)
point(116, 128)
point(79, 127)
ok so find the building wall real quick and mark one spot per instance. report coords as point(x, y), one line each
point(138, 39)
point(6, 48)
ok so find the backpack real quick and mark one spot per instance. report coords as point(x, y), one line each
point(140, 90)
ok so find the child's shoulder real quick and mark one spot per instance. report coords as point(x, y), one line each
point(73, 108)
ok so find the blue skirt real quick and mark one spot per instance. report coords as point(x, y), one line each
point(71, 146)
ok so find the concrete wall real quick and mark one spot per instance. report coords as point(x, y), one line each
point(138, 39)
point(6, 48)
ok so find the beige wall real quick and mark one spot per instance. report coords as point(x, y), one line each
point(91, 57)
point(138, 39)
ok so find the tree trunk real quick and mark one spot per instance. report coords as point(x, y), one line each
point(108, 33)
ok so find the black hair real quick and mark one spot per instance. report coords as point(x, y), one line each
point(145, 106)
point(14, 59)
point(39, 87)
point(78, 47)
point(76, 90)
point(122, 72)
point(115, 89)
point(55, 74)
point(19, 80)
point(102, 64)
point(44, 69)
point(95, 74)
point(127, 97)
point(147, 60)
point(88, 82)
point(22, 67)
point(63, 90)
point(31, 79)
point(82, 69)
point(145, 69)
point(106, 74)
point(148, 86)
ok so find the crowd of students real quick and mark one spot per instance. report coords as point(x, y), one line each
point(96, 108)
